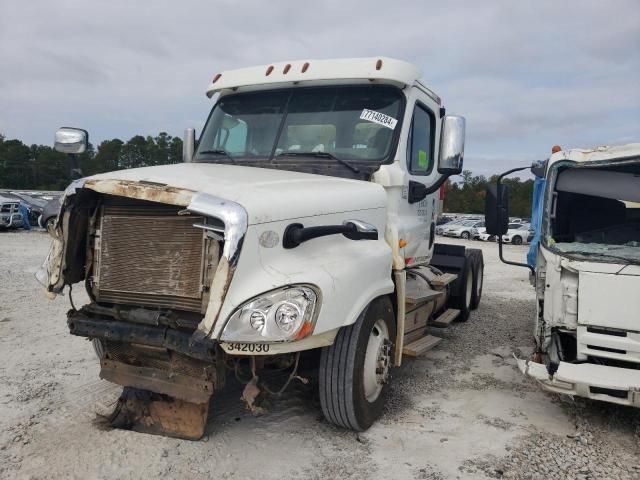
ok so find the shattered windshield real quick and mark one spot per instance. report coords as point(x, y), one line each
point(597, 213)
point(351, 126)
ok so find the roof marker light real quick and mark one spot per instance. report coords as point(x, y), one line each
point(379, 64)
point(286, 69)
point(305, 67)
point(269, 70)
point(216, 77)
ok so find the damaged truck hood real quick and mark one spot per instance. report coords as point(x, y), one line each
point(267, 195)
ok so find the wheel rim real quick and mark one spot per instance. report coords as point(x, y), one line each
point(465, 235)
point(377, 361)
point(469, 290)
point(49, 225)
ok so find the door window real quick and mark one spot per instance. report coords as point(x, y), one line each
point(420, 161)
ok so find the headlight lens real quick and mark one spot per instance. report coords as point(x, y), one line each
point(281, 315)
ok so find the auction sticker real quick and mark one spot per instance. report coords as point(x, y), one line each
point(379, 118)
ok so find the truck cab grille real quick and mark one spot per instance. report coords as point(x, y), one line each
point(148, 255)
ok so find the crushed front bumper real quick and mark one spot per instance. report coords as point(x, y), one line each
point(598, 382)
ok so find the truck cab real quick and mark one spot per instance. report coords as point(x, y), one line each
point(585, 261)
point(298, 231)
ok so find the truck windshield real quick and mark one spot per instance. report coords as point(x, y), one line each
point(351, 128)
point(597, 213)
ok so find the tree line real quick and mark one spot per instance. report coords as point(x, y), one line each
point(40, 167)
point(467, 196)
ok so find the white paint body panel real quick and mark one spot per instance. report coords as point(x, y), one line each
point(267, 195)
point(335, 71)
point(348, 273)
point(577, 379)
point(597, 154)
point(609, 300)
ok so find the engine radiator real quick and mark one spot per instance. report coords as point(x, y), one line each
point(148, 255)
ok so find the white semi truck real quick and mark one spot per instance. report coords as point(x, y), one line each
point(298, 234)
point(585, 266)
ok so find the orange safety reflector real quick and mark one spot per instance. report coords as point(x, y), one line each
point(402, 243)
point(269, 70)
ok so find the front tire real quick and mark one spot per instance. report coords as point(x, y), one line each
point(354, 371)
point(464, 235)
point(516, 240)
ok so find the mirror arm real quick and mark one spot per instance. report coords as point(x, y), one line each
point(74, 166)
point(500, 212)
point(438, 183)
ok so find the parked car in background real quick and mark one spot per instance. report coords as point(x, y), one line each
point(49, 214)
point(10, 216)
point(440, 228)
point(485, 237)
point(477, 231)
point(517, 234)
point(462, 230)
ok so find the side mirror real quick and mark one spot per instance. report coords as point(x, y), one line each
point(71, 140)
point(188, 145)
point(496, 209)
point(451, 145)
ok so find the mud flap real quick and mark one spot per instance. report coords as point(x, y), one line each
point(148, 412)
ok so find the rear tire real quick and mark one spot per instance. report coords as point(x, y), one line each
point(478, 277)
point(462, 299)
point(465, 235)
point(354, 371)
point(516, 240)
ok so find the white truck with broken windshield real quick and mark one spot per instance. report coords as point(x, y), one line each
point(585, 264)
point(298, 235)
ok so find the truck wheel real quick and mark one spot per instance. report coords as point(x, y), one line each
point(462, 300)
point(464, 235)
point(478, 277)
point(354, 371)
point(516, 240)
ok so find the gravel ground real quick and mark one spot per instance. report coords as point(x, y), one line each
point(463, 411)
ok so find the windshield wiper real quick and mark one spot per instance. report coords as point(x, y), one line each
point(353, 168)
point(219, 151)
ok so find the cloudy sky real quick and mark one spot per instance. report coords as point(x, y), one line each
point(525, 74)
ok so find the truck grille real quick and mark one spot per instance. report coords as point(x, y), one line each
point(148, 255)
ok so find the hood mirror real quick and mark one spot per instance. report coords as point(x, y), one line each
point(71, 140)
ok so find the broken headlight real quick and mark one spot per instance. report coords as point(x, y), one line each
point(281, 315)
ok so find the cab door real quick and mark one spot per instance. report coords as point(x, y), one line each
point(416, 221)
